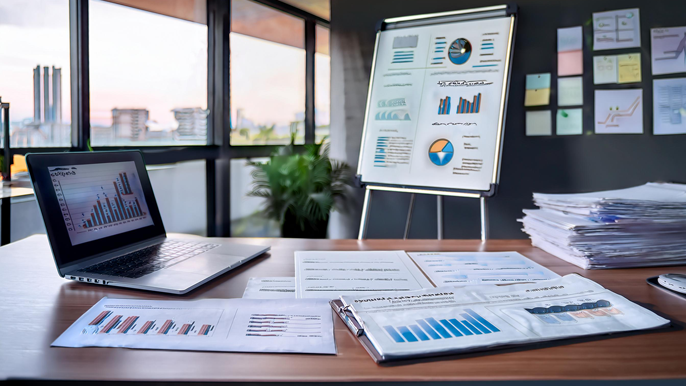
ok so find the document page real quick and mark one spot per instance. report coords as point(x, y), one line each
point(453, 320)
point(270, 288)
point(469, 268)
point(240, 325)
point(328, 275)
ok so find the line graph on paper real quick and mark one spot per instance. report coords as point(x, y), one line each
point(100, 200)
point(619, 111)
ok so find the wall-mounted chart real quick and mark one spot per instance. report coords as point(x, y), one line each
point(616, 29)
point(668, 48)
point(669, 106)
point(619, 111)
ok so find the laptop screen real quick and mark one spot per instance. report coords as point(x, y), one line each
point(100, 200)
point(94, 203)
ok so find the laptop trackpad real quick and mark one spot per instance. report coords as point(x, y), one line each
point(207, 263)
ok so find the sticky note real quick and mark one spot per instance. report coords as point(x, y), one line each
point(570, 63)
point(604, 69)
point(569, 121)
point(629, 68)
point(570, 91)
point(537, 90)
point(538, 123)
point(569, 39)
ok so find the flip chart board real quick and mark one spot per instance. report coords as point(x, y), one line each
point(436, 105)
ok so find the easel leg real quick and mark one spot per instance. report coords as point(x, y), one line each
point(484, 219)
point(409, 217)
point(365, 213)
point(439, 217)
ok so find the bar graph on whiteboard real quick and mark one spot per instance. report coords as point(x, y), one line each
point(100, 200)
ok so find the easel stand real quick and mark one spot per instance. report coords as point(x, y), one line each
point(439, 209)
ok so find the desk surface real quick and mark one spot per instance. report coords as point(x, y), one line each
point(36, 306)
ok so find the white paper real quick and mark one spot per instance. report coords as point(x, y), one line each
point(605, 69)
point(619, 111)
point(328, 275)
point(569, 39)
point(669, 106)
point(454, 320)
point(473, 268)
point(616, 29)
point(270, 288)
point(235, 325)
point(570, 91)
point(668, 48)
point(538, 123)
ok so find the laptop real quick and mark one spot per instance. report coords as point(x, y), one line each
point(105, 228)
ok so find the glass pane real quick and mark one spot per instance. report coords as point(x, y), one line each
point(322, 84)
point(148, 76)
point(34, 71)
point(246, 212)
point(267, 75)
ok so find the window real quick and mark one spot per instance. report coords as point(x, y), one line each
point(322, 84)
point(148, 73)
point(267, 75)
point(246, 219)
point(34, 71)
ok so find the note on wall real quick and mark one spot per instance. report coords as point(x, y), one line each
point(537, 90)
point(616, 29)
point(538, 123)
point(619, 111)
point(569, 51)
point(569, 121)
point(605, 69)
point(668, 48)
point(570, 91)
point(629, 68)
point(669, 106)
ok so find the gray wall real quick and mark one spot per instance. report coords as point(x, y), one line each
point(542, 164)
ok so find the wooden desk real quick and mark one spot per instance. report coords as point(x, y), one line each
point(36, 306)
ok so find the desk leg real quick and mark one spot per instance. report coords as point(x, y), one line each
point(5, 221)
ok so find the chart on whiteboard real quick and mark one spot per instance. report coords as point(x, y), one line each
point(100, 200)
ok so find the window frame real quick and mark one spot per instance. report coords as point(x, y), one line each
point(217, 152)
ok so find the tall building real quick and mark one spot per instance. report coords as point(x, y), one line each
point(51, 109)
point(130, 123)
point(192, 123)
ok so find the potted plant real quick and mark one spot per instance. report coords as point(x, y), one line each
point(301, 189)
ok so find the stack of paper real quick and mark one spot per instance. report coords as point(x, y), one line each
point(635, 227)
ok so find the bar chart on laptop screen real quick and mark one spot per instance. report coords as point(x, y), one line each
point(100, 200)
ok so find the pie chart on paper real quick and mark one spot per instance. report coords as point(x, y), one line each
point(441, 152)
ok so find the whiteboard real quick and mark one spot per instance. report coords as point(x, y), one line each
point(436, 105)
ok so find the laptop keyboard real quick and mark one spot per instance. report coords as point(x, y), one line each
point(148, 260)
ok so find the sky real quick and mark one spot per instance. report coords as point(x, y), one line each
point(140, 59)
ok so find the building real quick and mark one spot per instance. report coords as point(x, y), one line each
point(192, 123)
point(130, 123)
point(51, 108)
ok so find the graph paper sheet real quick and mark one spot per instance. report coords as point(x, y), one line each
point(241, 325)
point(451, 320)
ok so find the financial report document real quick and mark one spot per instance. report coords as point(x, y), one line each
point(327, 275)
point(470, 268)
point(236, 325)
point(450, 320)
point(270, 288)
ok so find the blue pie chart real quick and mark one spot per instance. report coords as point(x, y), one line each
point(441, 152)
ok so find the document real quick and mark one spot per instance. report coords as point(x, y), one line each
point(270, 288)
point(605, 69)
point(619, 111)
point(629, 68)
point(570, 121)
point(470, 268)
point(538, 123)
point(668, 49)
point(570, 91)
point(450, 320)
point(328, 275)
point(616, 29)
point(234, 325)
point(669, 106)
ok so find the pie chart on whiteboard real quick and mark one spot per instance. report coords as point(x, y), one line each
point(441, 152)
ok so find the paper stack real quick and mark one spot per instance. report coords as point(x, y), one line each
point(635, 227)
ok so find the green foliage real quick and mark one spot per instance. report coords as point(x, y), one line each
point(308, 185)
point(265, 134)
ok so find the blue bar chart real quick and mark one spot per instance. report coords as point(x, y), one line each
point(469, 323)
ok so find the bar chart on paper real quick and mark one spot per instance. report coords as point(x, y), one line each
point(466, 323)
point(153, 322)
point(103, 198)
